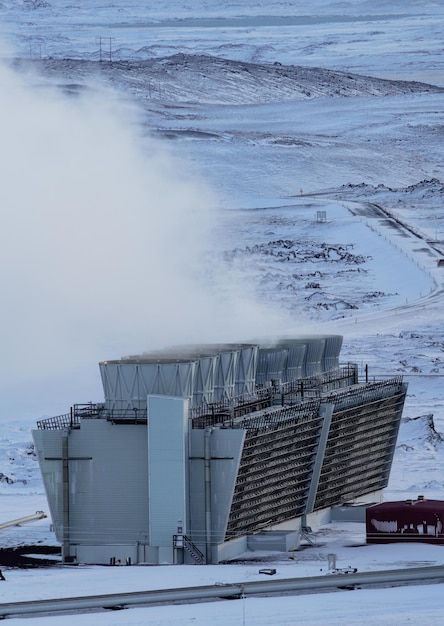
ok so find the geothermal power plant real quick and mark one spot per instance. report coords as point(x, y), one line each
point(198, 454)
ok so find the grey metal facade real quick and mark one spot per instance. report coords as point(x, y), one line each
point(196, 448)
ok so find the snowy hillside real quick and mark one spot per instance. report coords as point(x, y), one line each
point(186, 78)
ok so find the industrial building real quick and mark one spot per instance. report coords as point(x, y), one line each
point(409, 520)
point(199, 453)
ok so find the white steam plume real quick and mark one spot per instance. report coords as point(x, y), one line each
point(102, 248)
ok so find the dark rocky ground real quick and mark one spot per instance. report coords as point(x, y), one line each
point(25, 557)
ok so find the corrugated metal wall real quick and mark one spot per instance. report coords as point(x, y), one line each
point(127, 384)
point(108, 481)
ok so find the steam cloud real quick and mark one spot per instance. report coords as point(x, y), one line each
point(103, 248)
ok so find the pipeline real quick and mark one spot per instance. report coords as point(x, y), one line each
point(23, 520)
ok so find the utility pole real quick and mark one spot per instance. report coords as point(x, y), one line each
point(99, 40)
point(111, 39)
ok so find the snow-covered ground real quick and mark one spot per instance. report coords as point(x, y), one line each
point(102, 255)
point(390, 606)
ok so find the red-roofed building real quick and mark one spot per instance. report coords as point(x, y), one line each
point(409, 520)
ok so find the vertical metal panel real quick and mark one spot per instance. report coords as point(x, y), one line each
point(203, 386)
point(299, 351)
point(226, 450)
point(313, 357)
point(116, 392)
point(270, 365)
point(205, 357)
point(294, 364)
point(224, 379)
point(332, 349)
point(326, 411)
point(167, 467)
point(174, 379)
point(196, 492)
point(48, 445)
point(245, 377)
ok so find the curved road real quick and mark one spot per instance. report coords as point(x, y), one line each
point(421, 250)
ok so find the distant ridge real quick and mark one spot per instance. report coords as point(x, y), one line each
point(183, 78)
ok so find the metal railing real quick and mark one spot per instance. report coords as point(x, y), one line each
point(92, 411)
point(333, 386)
point(228, 411)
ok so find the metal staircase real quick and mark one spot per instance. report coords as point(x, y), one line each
point(307, 535)
point(182, 541)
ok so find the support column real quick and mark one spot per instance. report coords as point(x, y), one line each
point(167, 471)
point(327, 412)
point(208, 524)
point(65, 494)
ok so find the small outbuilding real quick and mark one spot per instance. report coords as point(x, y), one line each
point(408, 520)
